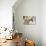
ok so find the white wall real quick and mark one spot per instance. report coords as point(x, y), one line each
point(43, 22)
point(40, 27)
point(29, 8)
point(6, 13)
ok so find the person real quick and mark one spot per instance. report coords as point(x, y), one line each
point(18, 40)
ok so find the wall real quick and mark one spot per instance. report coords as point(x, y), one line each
point(43, 22)
point(6, 13)
point(29, 8)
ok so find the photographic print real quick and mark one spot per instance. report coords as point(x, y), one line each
point(29, 20)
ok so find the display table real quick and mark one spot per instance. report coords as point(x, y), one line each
point(8, 37)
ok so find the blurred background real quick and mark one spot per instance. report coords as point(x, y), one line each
point(37, 8)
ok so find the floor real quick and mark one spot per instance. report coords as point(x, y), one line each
point(9, 43)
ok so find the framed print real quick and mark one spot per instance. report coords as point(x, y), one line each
point(29, 20)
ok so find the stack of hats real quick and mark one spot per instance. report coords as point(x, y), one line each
point(29, 43)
